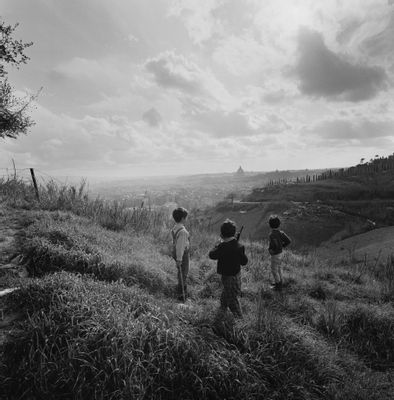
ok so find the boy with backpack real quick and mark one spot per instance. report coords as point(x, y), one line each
point(180, 250)
point(230, 255)
point(278, 240)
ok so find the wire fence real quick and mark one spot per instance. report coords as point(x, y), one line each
point(24, 174)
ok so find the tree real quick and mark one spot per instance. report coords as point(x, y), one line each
point(13, 110)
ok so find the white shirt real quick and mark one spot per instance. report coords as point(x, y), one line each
point(182, 240)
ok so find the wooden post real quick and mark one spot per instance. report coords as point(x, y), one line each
point(13, 162)
point(33, 177)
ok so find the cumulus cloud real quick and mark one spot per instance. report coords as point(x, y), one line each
point(175, 71)
point(323, 73)
point(356, 131)
point(152, 117)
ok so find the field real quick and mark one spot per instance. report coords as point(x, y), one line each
point(96, 317)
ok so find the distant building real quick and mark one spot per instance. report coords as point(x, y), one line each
point(240, 171)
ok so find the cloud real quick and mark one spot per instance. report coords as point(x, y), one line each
point(241, 55)
point(275, 96)
point(323, 73)
point(235, 124)
point(348, 28)
point(381, 43)
point(61, 141)
point(86, 69)
point(221, 124)
point(198, 18)
point(359, 131)
point(152, 117)
point(174, 71)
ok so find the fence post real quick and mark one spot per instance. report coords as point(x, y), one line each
point(13, 163)
point(33, 177)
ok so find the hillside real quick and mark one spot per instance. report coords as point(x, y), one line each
point(308, 223)
point(329, 207)
point(98, 318)
point(375, 246)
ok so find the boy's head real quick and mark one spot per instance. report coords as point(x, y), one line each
point(228, 229)
point(179, 214)
point(274, 222)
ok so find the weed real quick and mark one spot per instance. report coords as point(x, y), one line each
point(330, 321)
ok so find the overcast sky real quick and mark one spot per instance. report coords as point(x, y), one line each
point(151, 87)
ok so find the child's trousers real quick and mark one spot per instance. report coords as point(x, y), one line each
point(185, 270)
point(276, 267)
point(231, 291)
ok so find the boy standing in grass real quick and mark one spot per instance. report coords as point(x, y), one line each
point(180, 252)
point(230, 256)
point(278, 240)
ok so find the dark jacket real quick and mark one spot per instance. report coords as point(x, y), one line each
point(230, 255)
point(278, 241)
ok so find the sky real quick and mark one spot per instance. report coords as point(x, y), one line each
point(169, 87)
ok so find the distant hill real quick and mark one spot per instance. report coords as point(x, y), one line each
point(315, 208)
point(371, 180)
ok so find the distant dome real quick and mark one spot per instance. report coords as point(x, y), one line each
point(240, 171)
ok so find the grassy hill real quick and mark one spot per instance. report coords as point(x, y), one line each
point(376, 246)
point(331, 206)
point(308, 223)
point(98, 318)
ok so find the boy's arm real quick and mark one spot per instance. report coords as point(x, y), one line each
point(271, 245)
point(181, 244)
point(214, 253)
point(244, 259)
point(285, 239)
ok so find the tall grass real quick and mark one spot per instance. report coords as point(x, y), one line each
point(114, 215)
point(62, 241)
point(16, 192)
point(84, 339)
point(385, 273)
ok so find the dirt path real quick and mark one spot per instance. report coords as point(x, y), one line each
point(11, 225)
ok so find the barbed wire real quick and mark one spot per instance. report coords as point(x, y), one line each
point(12, 169)
point(51, 177)
point(11, 174)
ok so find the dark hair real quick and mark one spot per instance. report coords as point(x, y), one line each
point(274, 221)
point(228, 228)
point(179, 213)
